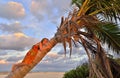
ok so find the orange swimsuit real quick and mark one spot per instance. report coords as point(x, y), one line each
point(30, 56)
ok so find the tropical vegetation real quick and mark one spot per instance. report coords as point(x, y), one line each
point(99, 18)
point(82, 71)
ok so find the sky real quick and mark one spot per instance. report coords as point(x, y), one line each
point(24, 23)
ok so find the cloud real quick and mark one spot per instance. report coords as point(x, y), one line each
point(12, 56)
point(49, 8)
point(52, 55)
point(12, 28)
point(14, 59)
point(12, 10)
point(16, 41)
point(54, 61)
point(75, 50)
point(5, 67)
point(2, 52)
point(3, 62)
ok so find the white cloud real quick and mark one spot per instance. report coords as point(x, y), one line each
point(3, 62)
point(12, 27)
point(54, 61)
point(14, 59)
point(5, 67)
point(16, 41)
point(49, 8)
point(12, 10)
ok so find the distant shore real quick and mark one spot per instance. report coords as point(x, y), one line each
point(38, 75)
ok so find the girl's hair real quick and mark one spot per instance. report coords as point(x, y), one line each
point(43, 39)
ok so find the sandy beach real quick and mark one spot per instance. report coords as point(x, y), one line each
point(40, 75)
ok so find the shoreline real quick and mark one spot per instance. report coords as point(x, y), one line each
point(38, 74)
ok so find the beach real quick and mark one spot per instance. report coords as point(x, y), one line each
point(40, 75)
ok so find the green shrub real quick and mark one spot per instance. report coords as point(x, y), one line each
point(80, 72)
point(83, 70)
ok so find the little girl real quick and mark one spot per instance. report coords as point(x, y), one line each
point(30, 56)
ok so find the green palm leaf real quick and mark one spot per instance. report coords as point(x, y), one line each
point(109, 9)
point(109, 33)
point(78, 3)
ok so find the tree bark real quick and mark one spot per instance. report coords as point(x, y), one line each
point(23, 70)
point(102, 62)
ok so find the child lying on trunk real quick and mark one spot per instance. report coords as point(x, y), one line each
point(30, 56)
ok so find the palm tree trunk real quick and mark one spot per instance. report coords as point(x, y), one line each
point(22, 71)
point(103, 62)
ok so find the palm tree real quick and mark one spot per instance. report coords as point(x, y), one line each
point(99, 19)
point(90, 25)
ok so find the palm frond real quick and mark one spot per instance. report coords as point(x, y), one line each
point(109, 33)
point(107, 8)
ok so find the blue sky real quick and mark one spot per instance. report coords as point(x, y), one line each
point(24, 23)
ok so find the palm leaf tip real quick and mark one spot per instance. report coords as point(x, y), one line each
point(78, 3)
